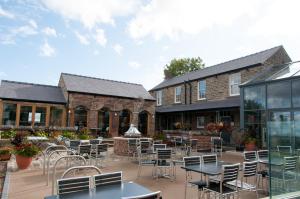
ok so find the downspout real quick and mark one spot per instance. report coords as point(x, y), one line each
point(68, 113)
point(189, 82)
point(184, 92)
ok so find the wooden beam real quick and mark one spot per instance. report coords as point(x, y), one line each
point(18, 115)
point(64, 118)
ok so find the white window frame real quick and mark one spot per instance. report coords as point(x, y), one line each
point(200, 118)
point(233, 83)
point(201, 98)
point(175, 94)
point(159, 98)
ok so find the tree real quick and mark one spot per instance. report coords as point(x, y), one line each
point(181, 66)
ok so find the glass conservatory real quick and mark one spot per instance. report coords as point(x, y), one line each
point(270, 107)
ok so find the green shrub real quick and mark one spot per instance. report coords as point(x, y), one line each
point(41, 134)
point(8, 134)
point(69, 134)
point(26, 150)
point(5, 150)
point(83, 137)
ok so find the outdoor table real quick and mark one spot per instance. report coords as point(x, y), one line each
point(115, 191)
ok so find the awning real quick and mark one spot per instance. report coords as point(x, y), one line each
point(203, 105)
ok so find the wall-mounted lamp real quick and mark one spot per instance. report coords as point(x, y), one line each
point(116, 114)
point(69, 111)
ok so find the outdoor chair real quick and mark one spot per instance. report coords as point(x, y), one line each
point(74, 144)
point(229, 173)
point(102, 180)
point(163, 162)
point(209, 159)
point(95, 141)
point(154, 195)
point(263, 154)
point(159, 146)
point(178, 142)
point(287, 173)
point(144, 161)
point(145, 146)
point(194, 144)
point(250, 156)
point(249, 171)
point(132, 147)
point(188, 161)
point(145, 139)
point(284, 150)
point(85, 151)
point(100, 153)
point(68, 186)
point(157, 142)
point(216, 145)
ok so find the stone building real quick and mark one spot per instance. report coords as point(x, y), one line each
point(78, 101)
point(211, 94)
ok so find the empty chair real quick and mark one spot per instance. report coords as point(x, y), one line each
point(263, 154)
point(194, 144)
point(144, 161)
point(145, 139)
point(132, 147)
point(69, 186)
point(229, 173)
point(95, 141)
point(159, 146)
point(193, 161)
point(250, 156)
point(178, 141)
point(85, 151)
point(209, 159)
point(163, 162)
point(74, 144)
point(249, 171)
point(284, 150)
point(216, 145)
point(102, 180)
point(100, 152)
point(154, 195)
point(145, 146)
point(157, 142)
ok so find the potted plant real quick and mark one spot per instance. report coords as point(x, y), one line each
point(5, 153)
point(250, 143)
point(24, 154)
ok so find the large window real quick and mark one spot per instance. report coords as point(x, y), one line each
point(279, 95)
point(296, 93)
point(56, 116)
point(158, 98)
point(124, 121)
point(40, 116)
point(80, 119)
point(26, 116)
point(200, 122)
point(255, 98)
point(9, 114)
point(234, 82)
point(103, 120)
point(177, 94)
point(201, 89)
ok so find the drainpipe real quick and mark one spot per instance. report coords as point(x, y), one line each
point(185, 92)
point(189, 82)
point(68, 114)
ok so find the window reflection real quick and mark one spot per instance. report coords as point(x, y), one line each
point(296, 93)
point(9, 114)
point(255, 98)
point(279, 95)
point(26, 116)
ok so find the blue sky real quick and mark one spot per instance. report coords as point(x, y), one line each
point(132, 40)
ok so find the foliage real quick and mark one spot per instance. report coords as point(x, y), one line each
point(248, 137)
point(177, 125)
point(41, 134)
point(26, 150)
point(214, 127)
point(83, 136)
point(8, 134)
point(70, 135)
point(18, 139)
point(181, 66)
point(5, 150)
point(160, 136)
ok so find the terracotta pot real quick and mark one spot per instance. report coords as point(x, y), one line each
point(23, 162)
point(5, 157)
point(250, 146)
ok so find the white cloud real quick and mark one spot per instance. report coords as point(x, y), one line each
point(96, 52)
point(134, 64)
point(33, 24)
point(6, 14)
point(171, 18)
point(118, 48)
point(93, 12)
point(100, 37)
point(24, 31)
point(82, 38)
point(46, 50)
point(49, 32)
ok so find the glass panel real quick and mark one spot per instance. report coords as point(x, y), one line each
point(296, 93)
point(80, 117)
point(56, 116)
point(9, 114)
point(143, 123)
point(280, 128)
point(124, 121)
point(202, 89)
point(297, 129)
point(103, 120)
point(25, 116)
point(40, 116)
point(255, 98)
point(287, 72)
point(279, 95)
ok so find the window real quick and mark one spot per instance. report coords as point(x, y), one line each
point(178, 94)
point(279, 95)
point(200, 122)
point(80, 118)
point(255, 98)
point(26, 116)
point(158, 98)
point(56, 116)
point(234, 82)
point(103, 120)
point(9, 114)
point(40, 116)
point(201, 89)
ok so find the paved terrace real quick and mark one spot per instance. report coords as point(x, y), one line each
point(31, 183)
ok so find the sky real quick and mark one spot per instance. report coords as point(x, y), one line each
point(133, 40)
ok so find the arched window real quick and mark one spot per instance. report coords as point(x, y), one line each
point(103, 120)
point(143, 122)
point(124, 121)
point(80, 117)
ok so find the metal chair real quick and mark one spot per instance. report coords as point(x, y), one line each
point(250, 156)
point(154, 195)
point(157, 142)
point(263, 154)
point(159, 146)
point(216, 145)
point(85, 151)
point(194, 144)
point(209, 159)
point(249, 171)
point(74, 144)
point(132, 147)
point(163, 162)
point(69, 186)
point(95, 141)
point(102, 180)
point(145, 146)
point(144, 161)
point(99, 153)
point(229, 173)
point(188, 161)
point(284, 150)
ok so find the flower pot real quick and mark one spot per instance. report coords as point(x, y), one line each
point(250, 146)
point(23, 162)
point(5, 157)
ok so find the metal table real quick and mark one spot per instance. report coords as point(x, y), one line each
point(210, 169)
point(116, 191)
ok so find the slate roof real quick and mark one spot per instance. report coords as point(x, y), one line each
point(31, 92)
point(92, 85)
point(217, 104)
point(247, 61)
